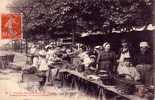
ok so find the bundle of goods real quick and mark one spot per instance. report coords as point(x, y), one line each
point(145, 92)
point(125, 85)
point(105, 77)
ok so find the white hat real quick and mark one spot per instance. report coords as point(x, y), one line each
point(92, 56)
point(105, 44)
point(97, 47)
point(144, 44)
point(51, 43)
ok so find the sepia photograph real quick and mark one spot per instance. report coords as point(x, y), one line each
point(77, 49)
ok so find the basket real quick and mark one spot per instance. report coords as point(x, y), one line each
point(105, 77)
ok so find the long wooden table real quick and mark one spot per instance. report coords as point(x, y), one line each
point(102, 86)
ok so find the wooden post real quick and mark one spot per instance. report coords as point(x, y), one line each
point(154, 58)
point(73, 38)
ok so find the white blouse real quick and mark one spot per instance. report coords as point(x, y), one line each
point(43, 66)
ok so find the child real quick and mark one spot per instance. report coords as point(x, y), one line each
point(43, 67)
point(92, 66)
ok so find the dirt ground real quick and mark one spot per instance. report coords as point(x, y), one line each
point(11, 88)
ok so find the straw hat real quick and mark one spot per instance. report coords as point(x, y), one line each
point(92, 56)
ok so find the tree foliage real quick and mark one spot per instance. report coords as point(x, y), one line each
point(68, 16)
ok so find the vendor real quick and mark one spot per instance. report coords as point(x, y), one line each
point(92, 66)
point(106, 59)
point(43, 66)
point(84, 56)
point(125, 52)
point(144, 61)
point(33, 51)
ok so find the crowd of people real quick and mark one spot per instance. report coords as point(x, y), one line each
point(98, 60)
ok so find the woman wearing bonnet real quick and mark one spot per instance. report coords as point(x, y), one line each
point(106, 59)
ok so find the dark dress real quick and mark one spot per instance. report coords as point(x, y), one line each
point(106, 61)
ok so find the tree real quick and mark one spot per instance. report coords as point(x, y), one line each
point(69, 16)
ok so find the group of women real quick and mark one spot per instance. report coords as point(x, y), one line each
point(137, 65)
point(98, 60)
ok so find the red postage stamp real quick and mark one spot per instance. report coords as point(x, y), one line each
point(11, 26)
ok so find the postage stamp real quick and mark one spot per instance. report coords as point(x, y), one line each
point(11, 26)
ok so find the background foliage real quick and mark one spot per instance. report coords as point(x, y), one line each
point(53, 17)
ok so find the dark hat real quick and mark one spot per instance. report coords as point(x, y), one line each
point(83, 47)
point(59, 45)
point(124, 41)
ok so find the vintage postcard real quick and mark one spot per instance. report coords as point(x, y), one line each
point(77, 49)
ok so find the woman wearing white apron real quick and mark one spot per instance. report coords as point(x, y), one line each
point(129, 69)
point(43, 67)
point(125, 52)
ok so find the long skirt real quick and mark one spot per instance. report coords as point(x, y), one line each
point(146, 73)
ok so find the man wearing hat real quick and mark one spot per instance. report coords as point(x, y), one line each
point(125, 52)
point(144, 61)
